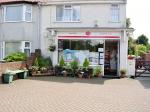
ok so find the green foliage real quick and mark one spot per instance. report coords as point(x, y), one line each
point(86, 63)
point(62, 62)
point(128, 22)
point(142, 40)
point(74, 64)
point(97, 70)
point(123, 71)
point(19, 56)
point(42, 62)
point(140, 50)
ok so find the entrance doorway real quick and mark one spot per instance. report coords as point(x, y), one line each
point(111, 58)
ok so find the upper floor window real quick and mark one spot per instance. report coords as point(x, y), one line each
point(17, 13)
point(67, 13)
point(115, 13)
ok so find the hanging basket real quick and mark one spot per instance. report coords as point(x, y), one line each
point(52, 48)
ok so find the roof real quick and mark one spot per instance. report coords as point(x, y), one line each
point(16, 1)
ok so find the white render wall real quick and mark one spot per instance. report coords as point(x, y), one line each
point(91, 13)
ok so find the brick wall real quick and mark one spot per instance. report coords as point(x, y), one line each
point(10, 66)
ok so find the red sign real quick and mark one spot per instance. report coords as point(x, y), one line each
point(88, 33)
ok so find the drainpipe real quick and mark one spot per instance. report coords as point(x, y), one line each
point(39, 25)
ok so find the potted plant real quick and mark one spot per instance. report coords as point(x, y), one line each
point(80, 73)
point(123, 73)
point(74, 65)
point(52, 47)
point(86, 63)
point(43, 69)
point(98, 71)
point(34, 69)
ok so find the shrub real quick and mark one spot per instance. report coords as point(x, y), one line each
point(97, 70)
point(86, 63)
point(74, 64)
point(19, 56)
point(42, 62)
point(62, 62)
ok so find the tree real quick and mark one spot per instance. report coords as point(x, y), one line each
point(142, 39)
point(140, 50)
point(131, 46)
point(128, 22)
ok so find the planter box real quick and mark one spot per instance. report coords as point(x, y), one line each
point(8, 78)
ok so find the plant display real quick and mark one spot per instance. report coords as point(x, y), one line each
point(97, 71)
point(123, 73)
point(34, 68)
point(74, 64)
point(62, 62)
point(19, 56)
point(86, 63)
point(52, 47)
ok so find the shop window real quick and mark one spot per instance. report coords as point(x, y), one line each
point(81, 49)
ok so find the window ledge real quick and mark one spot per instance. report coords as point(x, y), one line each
point(17, 21)
point(67, 21)
point(114, 21)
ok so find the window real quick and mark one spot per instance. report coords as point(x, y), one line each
point(12, 47)
point(115, 13)
point(13, 13)
point(67, 13)
point(26, 47)
point(17, 13)
point(28, 13)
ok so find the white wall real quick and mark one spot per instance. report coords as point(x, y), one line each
point(91, 13)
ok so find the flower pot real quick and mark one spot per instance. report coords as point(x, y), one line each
point(80, 75)
point(8, 78)
point(122, 75)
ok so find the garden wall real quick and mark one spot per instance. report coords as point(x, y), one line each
point(10, 66)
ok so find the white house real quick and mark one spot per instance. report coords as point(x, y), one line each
point(94, 29)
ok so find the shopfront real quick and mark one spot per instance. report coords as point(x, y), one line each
point(100, 50)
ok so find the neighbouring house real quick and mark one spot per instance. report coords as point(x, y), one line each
point(19, 26)
point(93, 29)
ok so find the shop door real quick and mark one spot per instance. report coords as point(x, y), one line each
point(111, 58)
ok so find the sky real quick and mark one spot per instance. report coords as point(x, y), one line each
point(139, 13)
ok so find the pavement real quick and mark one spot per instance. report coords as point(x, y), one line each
point(64, 94)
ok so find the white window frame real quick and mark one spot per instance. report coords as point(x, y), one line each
point(24, 11)
point(2, 53)
point(118, 7)
point(23, 46)
point(64, 8)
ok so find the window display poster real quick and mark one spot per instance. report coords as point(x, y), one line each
point(93, 58)
point(80, 55)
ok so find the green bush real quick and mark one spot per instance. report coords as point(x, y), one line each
point(19, 56)
point(42, 62)
point(86, 63)
point(74, 64)
point(97, 70)
point(62, 62)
